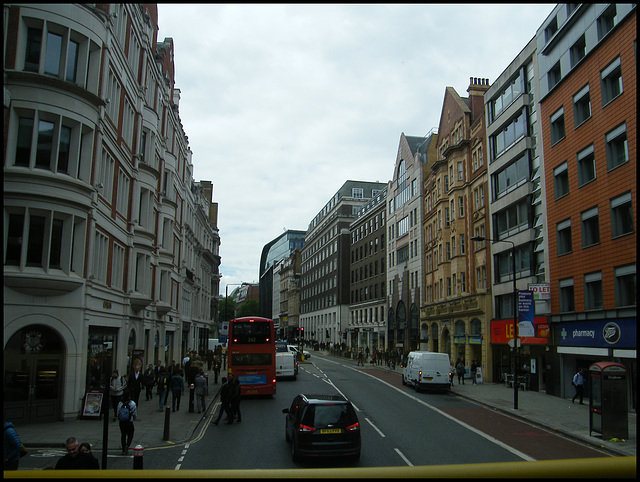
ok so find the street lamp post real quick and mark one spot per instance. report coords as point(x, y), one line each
point(515, 314)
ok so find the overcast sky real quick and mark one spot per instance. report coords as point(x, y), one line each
point(284, 103)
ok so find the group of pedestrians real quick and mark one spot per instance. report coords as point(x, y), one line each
point(125, 390)
point(229, 400)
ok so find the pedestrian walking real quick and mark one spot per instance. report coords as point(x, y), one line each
point(234, 402)
point(460, 371)
point(135, 381)
point(209, 359)
point(200, 383)
point(163, 387)
point(149, 381)
point(13, 449)
point(474, 370)
point(156, 372)
point(578, 382)
point(74, 459)
point(216, 368)
point(117, 385)
point(127, 413)
point(177, 388)
point(360, 360)
point(85, 448)
point(224, 400)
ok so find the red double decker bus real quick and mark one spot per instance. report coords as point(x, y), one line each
point(252, 355)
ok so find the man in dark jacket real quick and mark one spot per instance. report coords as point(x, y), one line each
point(74, 460)
point(224, 400)
point(234, 402)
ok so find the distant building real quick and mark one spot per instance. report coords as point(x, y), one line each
point(587, 58)
point(277, 250)
point(324, 296)
point(289, 297)
point(367, 325)
point(405, 242)
point(111, 248)
point(457, 305)
point(518, 209)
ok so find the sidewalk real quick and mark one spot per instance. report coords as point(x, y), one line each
point(547, 411)
point(149, 427)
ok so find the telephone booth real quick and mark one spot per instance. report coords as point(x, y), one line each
point(608, 414)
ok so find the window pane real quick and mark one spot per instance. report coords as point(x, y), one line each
point(63, 150)
point(23, 151)
point(36, 241)
point(45, 140)
point(32, 56)
point(56, 244)
point(54, 48)
point(14, 239)
point(72, 61)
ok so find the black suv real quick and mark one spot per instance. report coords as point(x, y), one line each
point(322, 425)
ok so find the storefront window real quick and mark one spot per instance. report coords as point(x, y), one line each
point(100, 358)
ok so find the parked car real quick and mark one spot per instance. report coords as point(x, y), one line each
point(322, 425)
point(294, 349)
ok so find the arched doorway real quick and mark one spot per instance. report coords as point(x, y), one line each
point(33, 364)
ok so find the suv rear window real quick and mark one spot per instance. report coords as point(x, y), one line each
point(328, 415)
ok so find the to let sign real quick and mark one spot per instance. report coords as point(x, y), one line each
point(541, 291)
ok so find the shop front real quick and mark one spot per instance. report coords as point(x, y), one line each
point(583, 343)
point(531, 357)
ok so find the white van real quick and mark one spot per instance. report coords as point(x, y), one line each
point(427, 370)
point(286, 363)
point(214, 342)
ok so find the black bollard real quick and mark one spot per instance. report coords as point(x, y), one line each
point(167, 423)
point(138, 455)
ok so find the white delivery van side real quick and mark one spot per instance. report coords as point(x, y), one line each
point(426, 370)
point(286, 365)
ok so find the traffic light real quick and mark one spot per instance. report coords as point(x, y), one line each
point(302, 332)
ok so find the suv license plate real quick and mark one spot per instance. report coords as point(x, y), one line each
point(330, 430)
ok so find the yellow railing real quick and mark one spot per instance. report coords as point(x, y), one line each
point(608, 467)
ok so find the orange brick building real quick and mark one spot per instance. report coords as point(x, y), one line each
point(587, 58)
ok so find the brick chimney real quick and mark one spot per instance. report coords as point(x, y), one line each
point(476, 90)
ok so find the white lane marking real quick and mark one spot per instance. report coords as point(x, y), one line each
point(406, 460)
point(517, 453)
point(375, 428)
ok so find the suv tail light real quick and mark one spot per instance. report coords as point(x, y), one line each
point(305, 428)
point(353, 428)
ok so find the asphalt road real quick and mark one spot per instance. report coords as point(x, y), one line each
point(399, 428)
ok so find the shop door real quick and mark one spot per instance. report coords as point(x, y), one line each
point(32, 392)
point(33, 377)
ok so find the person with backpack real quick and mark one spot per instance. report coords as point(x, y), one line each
point(117, 385)
point(127, 413)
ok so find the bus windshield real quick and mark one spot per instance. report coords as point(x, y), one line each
point(250, 332)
